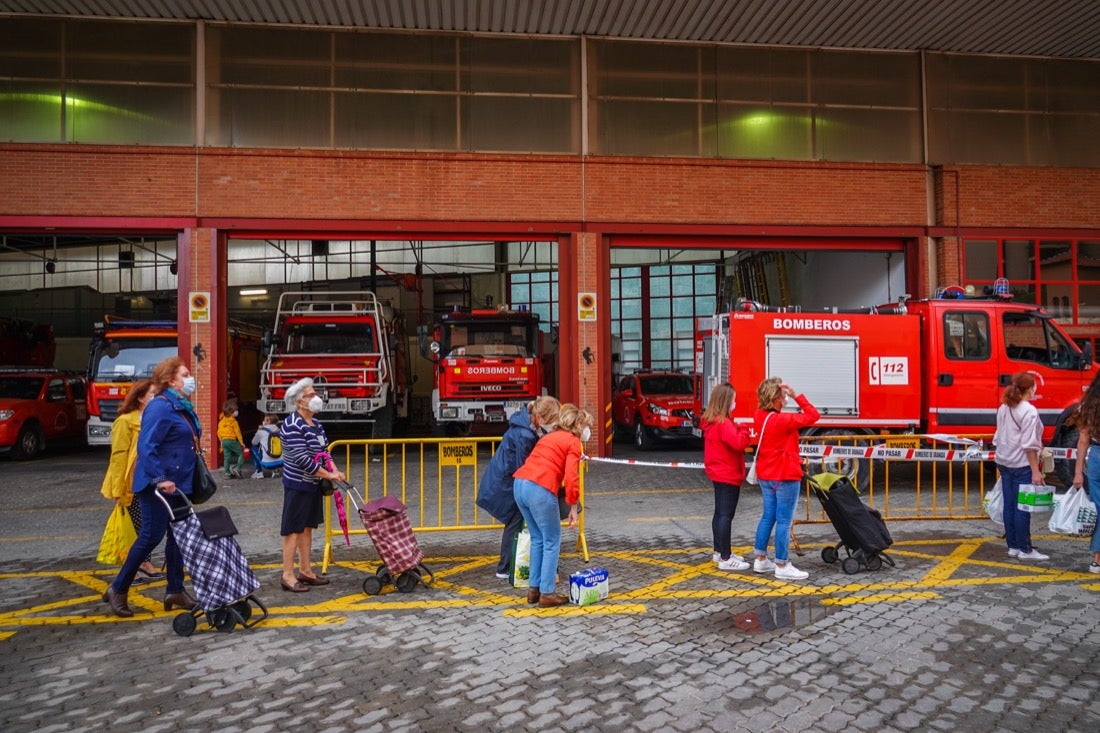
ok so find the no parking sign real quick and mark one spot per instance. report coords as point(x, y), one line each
point(200, 307)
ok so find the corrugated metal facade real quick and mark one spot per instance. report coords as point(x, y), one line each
point(1058, 28)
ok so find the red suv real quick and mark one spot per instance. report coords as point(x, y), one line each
point(652, 406)
point(39, 405)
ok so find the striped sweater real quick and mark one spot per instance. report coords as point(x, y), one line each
point(301, 444)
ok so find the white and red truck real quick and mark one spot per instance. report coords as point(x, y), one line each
point(351, 345)
point(931, 366)
point(122, 352)
point(488, 364)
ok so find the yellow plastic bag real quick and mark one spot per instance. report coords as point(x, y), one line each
point(118, 536)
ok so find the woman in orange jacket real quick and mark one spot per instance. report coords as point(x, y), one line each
point(554, 460)
point(779, 470)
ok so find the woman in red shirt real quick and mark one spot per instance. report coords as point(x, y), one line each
point(554, 460)
point(724, 443)
point(779, 470)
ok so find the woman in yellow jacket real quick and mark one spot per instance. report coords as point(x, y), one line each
point(119, 479)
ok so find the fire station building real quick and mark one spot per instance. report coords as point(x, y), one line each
point(620, 167)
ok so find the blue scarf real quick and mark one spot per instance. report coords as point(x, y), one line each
point(188, 406)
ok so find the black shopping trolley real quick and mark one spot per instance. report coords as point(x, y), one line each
point(863, 533)
point(223, 581)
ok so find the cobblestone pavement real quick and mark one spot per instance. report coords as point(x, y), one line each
point(956, 637)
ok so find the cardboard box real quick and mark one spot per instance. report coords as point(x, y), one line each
point(589, 586)
point(1034, 498)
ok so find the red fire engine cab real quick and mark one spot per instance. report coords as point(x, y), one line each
point(122, 352)
point(929, 366)
point(351, 345)
point(489, 363)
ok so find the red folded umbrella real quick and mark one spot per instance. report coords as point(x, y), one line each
point(341, 513)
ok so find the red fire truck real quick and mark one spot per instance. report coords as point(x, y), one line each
point(929, 366)
point(351, 345)
point(489, 363)
point(122, 352)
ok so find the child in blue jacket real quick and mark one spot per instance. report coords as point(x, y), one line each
point(495, 494)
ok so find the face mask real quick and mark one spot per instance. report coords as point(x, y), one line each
point(586, 435)
point(188, 387)
point(315, 404)
point(236, 412)
point(547, 429)
point(732, 406)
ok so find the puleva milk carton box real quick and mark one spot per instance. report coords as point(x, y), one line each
point(589, 586)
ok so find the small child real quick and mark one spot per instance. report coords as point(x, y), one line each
point(229, 432)
point(724, 460)
point(267, 449)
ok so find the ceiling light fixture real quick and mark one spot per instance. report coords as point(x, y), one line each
point(257, 291)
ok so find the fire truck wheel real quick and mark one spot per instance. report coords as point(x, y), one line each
point(641, 437)
point(383, 422)
point(30, 442)
point(856, 470)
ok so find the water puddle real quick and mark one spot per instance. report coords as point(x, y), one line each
point(779, 616)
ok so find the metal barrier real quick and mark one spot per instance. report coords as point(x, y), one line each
point(902, 479)
point(435, 478)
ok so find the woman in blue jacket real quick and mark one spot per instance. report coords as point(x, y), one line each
point(495, 494)
point(166, 459)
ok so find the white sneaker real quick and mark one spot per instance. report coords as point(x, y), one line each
point(790, 572)
point(716, 557)
point(1013, 552)
point(1033, 555)
point(734, 563)
point(258, 474)
point(502, 576)
point(762, 566)
point(1094, 567)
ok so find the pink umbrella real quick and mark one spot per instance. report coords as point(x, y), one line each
point(337, 497)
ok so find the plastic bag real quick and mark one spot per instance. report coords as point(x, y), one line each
point(994, 503)
point(520, 574)
point(1074, 513)
point(118, 536)
point(750, 477)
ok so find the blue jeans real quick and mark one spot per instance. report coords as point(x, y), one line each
point(725, 506)
point(1017, 523)
point(1092, 474)
point(154, 525)
point(780, 498)
point(540, 510)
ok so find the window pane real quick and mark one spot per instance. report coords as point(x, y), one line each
point(130, 114)
point(265, 56)
point(660, 308)
point(1088, 260)
point(981, 260)
point(752, 131)
point(654, 70)
point(651, 128)
point(520, 123)
point(868, 134)
point(1055, 261)
point(30, 47)
point(762, 75)
point(659, 286)
point(396, 121)
point(396, 61)
point(520, 65)
point(878, 79)
point(30, 111)
point(1018, 259)
point(1088, 307)
point(256, 118)
point(148, 52)
point(632, 308)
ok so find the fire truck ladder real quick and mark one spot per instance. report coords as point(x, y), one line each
point(752, 277)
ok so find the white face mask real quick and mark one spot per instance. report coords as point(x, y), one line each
point(315, 404)
point(188, 387)
point(547, 429)
point(586, 435)
point(732, 406)
point(236, 412)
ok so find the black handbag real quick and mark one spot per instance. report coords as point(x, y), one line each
point(203, 485)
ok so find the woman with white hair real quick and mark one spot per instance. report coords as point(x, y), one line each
point(304, 443)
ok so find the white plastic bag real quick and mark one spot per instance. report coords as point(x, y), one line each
point(750, 477)
point(520, 574)
point(1074, 513)
point(994, 503)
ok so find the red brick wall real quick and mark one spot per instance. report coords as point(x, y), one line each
point(171, 182)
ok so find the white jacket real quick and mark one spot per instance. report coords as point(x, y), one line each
point(1019, 430)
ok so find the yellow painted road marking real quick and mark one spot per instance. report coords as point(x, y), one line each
point(881, 598)
point(672, 573)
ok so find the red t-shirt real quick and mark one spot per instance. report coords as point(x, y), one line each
point(777, 456)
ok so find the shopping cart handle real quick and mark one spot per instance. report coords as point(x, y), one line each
point(178, 510)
